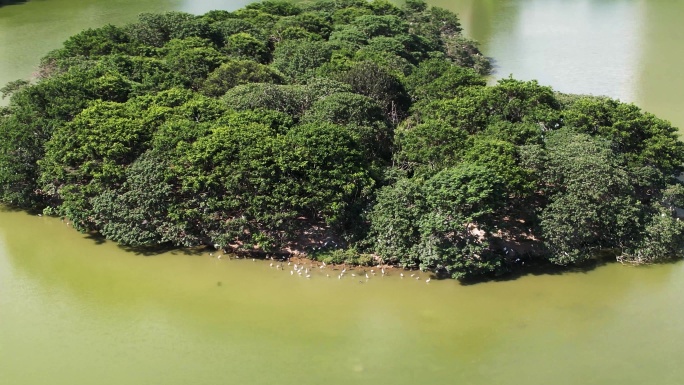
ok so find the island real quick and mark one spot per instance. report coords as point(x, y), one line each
point(344, 131)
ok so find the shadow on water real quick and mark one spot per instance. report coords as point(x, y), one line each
point(11, 209)
point(153, 251)
point(12, 2)
point(541, 267)
point(95, 238)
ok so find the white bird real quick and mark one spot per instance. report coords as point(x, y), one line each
point(402, 275)
point(253, 260)
point(417, 277)
point(413, 274)
point(367, 276)
point(427, 280)
point(271, 265)
point(219, 256)
point(353, 275)
point(291, 272)
point(308, 276)
point(339, 276)
point(344, 270)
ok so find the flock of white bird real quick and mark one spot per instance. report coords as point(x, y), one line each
point(300, 270)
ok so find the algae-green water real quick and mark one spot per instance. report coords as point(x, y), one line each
point(75, 310)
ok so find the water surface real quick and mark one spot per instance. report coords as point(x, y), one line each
point(77, 311)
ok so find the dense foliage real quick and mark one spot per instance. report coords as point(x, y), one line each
point(338, 128)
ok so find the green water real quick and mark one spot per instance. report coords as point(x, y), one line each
point(77, 311)
point(74, 311)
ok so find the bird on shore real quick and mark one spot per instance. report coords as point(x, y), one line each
point(427, 280)
point(401, 275)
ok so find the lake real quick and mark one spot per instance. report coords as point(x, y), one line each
point(76, 310)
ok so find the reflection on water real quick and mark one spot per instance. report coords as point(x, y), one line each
point(626, 49)
point(590, 47)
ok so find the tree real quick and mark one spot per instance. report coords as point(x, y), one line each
point(395, 222)
point(102, 41)
point(369, 79)
point(643, 139)
point(455, 230)
point(436, 81)
point(237, 72)
point(296, 59)
point(139, 212)
point(192, 60)
point(429, 147)
point(242, 45)
point(591, 202)
point(157, 29)
point(361, 115)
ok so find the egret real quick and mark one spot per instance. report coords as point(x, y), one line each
point(291, 272)
point(367, 277)
point(427, 280)
point(402, 275)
